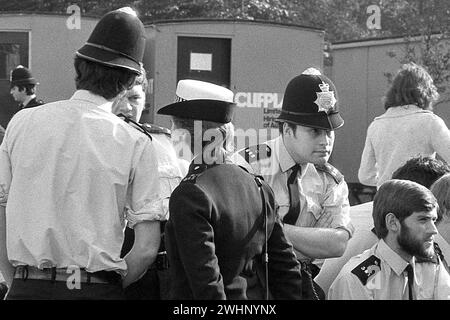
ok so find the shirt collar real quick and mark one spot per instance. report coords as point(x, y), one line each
point(397, 263)
point(284, 158)
point(93, 99)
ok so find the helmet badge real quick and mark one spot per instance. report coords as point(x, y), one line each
point(325, 99)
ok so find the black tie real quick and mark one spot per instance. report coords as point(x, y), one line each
point(294, 197)
point(409, 270)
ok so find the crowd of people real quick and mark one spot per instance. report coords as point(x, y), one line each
point(96, 205)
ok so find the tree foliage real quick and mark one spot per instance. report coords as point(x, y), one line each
point(342, 20)
point(426, 40)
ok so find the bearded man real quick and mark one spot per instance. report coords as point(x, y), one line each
point(402, 265)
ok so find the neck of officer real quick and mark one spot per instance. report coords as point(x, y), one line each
point(210, 156)
point(290, 150)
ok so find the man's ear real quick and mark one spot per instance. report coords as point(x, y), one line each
point(287, 130)
point(392, 222)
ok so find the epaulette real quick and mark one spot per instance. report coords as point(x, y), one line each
point(136, 125)
point(367, 269)
point(332, 171)
point(195, 170)
point(256, 153)
point(34, 103)
point(153, 128)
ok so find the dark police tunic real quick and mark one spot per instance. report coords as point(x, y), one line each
point(32, 103)
point(215, 237)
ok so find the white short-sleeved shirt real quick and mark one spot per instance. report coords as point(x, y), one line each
point(319, 191)
point(382, 276)
point(68, 172)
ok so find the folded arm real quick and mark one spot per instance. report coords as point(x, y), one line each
point(317, 243)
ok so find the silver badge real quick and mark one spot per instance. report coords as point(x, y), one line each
point(325, 99)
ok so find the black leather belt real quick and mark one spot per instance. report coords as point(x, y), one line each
point(62, 274)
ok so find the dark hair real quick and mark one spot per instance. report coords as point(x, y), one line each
point(423, 170)
point(441, 190)
point(412, 85)
point(402, 198)
point(141, 80)
point(290, 125)
point(30, 89)
point(104, 81)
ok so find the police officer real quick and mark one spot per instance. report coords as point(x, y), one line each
point(23, 88)
point(402, 265)
point(154, 285)
point(90, 173)
point(222, 219)
point(312, 194)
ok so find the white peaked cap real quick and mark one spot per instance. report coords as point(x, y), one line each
point(312, 72)
point(194, 90)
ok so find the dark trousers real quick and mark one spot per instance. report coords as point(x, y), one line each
point(154, 285)
point(31, 289)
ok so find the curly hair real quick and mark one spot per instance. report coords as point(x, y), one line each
point(412, 85)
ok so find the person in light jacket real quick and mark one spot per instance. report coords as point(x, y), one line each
point(407, 129)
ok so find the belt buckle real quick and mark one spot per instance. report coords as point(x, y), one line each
point(21, 272)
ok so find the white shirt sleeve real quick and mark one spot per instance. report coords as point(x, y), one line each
point(146, 198)
point(367, 173)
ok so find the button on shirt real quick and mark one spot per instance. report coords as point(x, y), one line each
point(390, 282)
point(67, 171)
point(319, 192)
